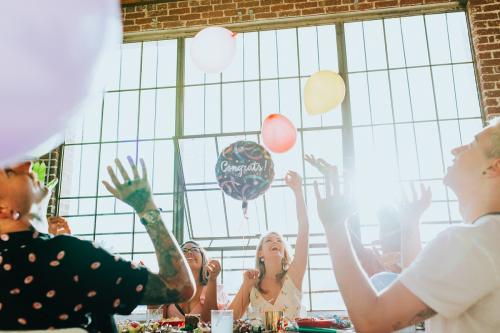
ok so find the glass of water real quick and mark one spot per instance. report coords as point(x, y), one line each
point(222, 321)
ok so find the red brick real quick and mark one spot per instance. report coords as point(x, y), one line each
point(215, 2)
point(201, 9)
point(488, 85)
point(225, 6)
point(188, 17)
point(270, 2)
point(182, 4)
point(144, 20)
point(383, 4)
point(361, 6)
point(312, 11)
point(169, 18)
point(175, 24)
point(288, 13)
point(265, 15)
point(492, 93)
point(484, 55)
point(306, 5)
point(247, 4)
point(191, 23)
point(487, 70)
point(411, 2)
point(494, 23)
point(490, 62)
point(263, 9)
point(488, 47)
point(491, 102)
point(336, 9)
point(233, 12)
point(178, 11)
point(489, 31)
point(492, 109)
point(492, 7)
point(277, 8)
point(486, 16)
point(131, 28)
point(159, 12)
point(330, 3)
point(213, 14)
point(128, 22)
point(219, 20)
point(135, 15)
point(491, 77)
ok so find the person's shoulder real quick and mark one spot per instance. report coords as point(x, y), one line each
point(72, 242)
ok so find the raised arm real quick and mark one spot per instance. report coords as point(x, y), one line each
point(410, 213)
point(396, 308)
point(213, 268)
point(241, 301)
point(299, 264)
point(174, 282)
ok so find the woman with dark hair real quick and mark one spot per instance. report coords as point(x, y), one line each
point(276, 282)
point(208, 293)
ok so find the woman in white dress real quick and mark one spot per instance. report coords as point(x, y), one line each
point(276, 282)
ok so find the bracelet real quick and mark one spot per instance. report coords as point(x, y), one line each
point(150, 216)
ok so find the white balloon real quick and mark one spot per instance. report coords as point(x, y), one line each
point(213, 49)
point(51, 62)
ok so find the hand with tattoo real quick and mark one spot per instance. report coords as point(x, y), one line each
point(134, 192)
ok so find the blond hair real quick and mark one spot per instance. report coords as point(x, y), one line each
point(285, 261)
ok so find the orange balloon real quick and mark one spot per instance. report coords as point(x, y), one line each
point(278, 133)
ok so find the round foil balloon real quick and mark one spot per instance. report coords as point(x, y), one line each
point(278, 133)
point(244, 171)
point(213, 49)
point(324, 90)
point(51, 62)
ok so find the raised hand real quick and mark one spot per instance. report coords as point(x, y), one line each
point(294, 181)
point(250, 277)
point(213, 268)
point(335, 208)
point(134, 192)
point(411, 210)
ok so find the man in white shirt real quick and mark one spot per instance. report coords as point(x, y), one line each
point(455, 280)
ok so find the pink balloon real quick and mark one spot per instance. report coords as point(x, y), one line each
point(278, 133)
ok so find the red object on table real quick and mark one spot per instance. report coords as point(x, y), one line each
point(315, 322)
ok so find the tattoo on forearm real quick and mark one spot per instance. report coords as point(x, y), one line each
point(169, 257)
point(138, 199)
point(157, 293)
point(421, 316)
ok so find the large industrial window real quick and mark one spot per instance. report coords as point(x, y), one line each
point(411, 97)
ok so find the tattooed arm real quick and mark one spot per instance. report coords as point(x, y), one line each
point(396, 307)
point(174, 282)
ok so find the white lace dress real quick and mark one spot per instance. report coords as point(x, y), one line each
point(288, 300)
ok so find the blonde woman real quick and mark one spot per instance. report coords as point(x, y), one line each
point(276, 282)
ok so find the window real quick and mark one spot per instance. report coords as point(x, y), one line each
point(411, 97)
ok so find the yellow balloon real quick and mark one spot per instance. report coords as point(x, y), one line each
point(324, 90)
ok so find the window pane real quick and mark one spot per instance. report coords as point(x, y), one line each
point(374, 44)
point(355, 48)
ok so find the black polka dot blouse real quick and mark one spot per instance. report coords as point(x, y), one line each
point(57, 282)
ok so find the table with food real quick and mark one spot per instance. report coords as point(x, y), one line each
point(192, 323)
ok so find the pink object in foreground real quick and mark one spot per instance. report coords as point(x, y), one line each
point(278, 133)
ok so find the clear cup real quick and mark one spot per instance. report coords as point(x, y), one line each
point(222, 321)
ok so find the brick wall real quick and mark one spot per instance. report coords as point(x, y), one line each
point(484, 19)
point(180, 15)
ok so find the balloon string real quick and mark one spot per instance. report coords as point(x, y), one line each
point(244, 207)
